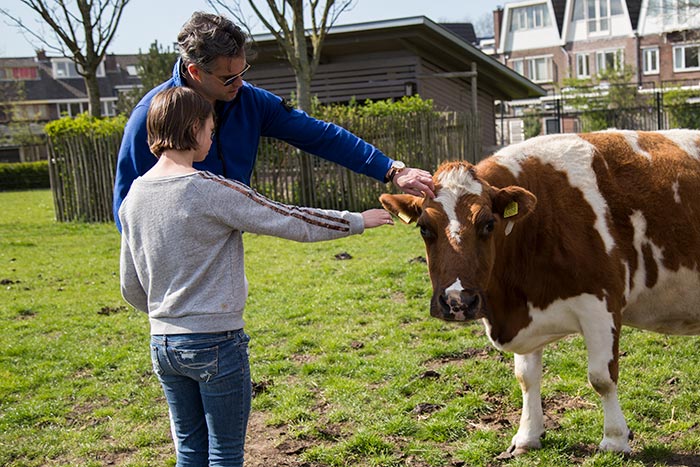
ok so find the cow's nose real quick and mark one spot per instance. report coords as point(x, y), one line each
point(461, 305)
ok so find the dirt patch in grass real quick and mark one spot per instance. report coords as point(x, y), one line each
point(268, 446)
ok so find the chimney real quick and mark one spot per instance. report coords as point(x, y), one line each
point(497, 24)
point(41, 55)
point(110, 61)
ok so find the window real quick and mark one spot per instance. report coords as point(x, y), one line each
point(518, 65)
point(675, 11)
point(65, 68)
point(109, 108)
point(686, 58)
point(650, 61)
point(19, 73)
point(530, 17)
point(583, 66)
point(597, 13)
point(551, 126)
point(72, 109)
point(515, 127)
point(609, 60)
point(540, 69)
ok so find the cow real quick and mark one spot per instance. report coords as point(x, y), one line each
point(567, 234)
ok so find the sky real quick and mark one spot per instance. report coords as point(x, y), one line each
point(145, 21)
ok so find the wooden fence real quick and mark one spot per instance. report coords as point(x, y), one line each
point(422, 141)
point(82, 169)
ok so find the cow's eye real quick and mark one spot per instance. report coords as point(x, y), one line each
point(425, 232)
point(486, 228)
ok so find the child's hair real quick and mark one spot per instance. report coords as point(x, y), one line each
point(174, 118)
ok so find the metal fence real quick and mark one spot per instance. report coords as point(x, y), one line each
point(644, 109)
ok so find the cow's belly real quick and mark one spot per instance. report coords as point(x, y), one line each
point(558, 320)
point(671, 307)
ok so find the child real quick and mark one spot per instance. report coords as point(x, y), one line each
point(182, 263)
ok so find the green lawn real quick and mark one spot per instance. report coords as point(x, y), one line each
point(346, 361)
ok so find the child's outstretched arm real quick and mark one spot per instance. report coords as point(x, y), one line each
point(376, 217)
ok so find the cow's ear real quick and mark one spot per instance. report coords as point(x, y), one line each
point(513, 203)
point(406, 207)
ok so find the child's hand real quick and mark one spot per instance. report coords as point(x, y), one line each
point(376, 217)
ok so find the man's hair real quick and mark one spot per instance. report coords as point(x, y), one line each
point(206, 36)
point(175, 116)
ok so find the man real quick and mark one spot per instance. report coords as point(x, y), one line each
point(212, 62)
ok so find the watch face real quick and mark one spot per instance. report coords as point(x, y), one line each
point(398, 165)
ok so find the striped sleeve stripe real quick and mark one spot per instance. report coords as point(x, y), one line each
point(305, 214)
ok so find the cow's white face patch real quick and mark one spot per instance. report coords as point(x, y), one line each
point(455, 287)
point(454, 185)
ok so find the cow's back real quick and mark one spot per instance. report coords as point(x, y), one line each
point(618, 217)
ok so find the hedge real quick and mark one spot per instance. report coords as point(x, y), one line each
point(24, 175)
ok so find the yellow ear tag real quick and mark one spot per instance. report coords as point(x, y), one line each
point(404, 217)
point(511, 210)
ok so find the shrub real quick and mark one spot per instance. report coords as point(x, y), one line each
point(681, 113)
point(24, 176)
point(85, 124)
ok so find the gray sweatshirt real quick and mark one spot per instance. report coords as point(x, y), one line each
point(182, 251)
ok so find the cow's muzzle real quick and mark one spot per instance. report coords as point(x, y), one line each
point(462, 305)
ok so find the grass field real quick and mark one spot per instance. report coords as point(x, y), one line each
point(349, 368)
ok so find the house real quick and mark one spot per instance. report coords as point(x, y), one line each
point(549, 41)
point(396, 58)
point(36, 90)
point(374, 60)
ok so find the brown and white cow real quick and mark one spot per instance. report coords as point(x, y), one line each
point(567, 234)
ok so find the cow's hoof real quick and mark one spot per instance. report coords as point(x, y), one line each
point(512, 452)
point(620, 444)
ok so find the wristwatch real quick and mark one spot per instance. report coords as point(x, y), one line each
point(396, 168)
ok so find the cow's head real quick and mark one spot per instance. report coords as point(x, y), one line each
point(461, 227)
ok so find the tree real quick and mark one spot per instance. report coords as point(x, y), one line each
point(532, 123)
point(608, 101)
point(291, 34)
point(682, 108)
point(153, 68)
point(483, 26)
point(81, 32)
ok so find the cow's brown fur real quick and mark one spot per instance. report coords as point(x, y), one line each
point(556, 251)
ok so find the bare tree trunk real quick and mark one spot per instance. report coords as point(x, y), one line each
point(302, 48)
point(83, 29)
point(93, 91)
point(308, 182)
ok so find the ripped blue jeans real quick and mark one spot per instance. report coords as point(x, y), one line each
point(206, 380)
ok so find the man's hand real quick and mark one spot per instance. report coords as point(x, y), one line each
point(415, 182)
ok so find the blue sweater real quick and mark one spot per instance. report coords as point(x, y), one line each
point(240, 124)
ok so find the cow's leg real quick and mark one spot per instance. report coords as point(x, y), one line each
point(602, 339)
point(528, 371)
